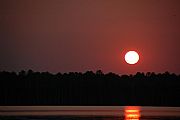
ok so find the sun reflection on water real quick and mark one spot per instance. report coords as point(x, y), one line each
point(132, 113)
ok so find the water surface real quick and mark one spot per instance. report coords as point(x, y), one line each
point(88, 113)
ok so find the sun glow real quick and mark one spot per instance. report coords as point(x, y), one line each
point(131, 57)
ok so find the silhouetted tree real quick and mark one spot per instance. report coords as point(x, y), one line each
point(89, 88)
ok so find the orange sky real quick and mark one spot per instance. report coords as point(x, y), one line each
point(81, 35)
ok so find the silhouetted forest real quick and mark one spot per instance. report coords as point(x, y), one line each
point(89, 88)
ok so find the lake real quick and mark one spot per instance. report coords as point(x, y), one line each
point(88, 113)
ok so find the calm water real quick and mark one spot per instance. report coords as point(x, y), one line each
point(89, 113)
point(83, 118)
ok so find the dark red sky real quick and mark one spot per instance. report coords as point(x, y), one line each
point(80, 35)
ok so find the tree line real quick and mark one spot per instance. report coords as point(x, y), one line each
point(89, 88)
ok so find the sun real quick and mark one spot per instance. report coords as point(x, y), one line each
point(131, 57)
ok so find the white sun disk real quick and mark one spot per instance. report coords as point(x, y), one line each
point(131, 57)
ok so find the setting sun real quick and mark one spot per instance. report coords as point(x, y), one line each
point(131, 57)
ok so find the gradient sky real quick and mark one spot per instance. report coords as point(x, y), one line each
point(81, 35)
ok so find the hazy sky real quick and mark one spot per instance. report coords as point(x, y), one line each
point(81, 35)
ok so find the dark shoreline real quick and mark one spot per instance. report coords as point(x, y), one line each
point(88, 89)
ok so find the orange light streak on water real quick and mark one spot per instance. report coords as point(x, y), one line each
point(132, 113)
